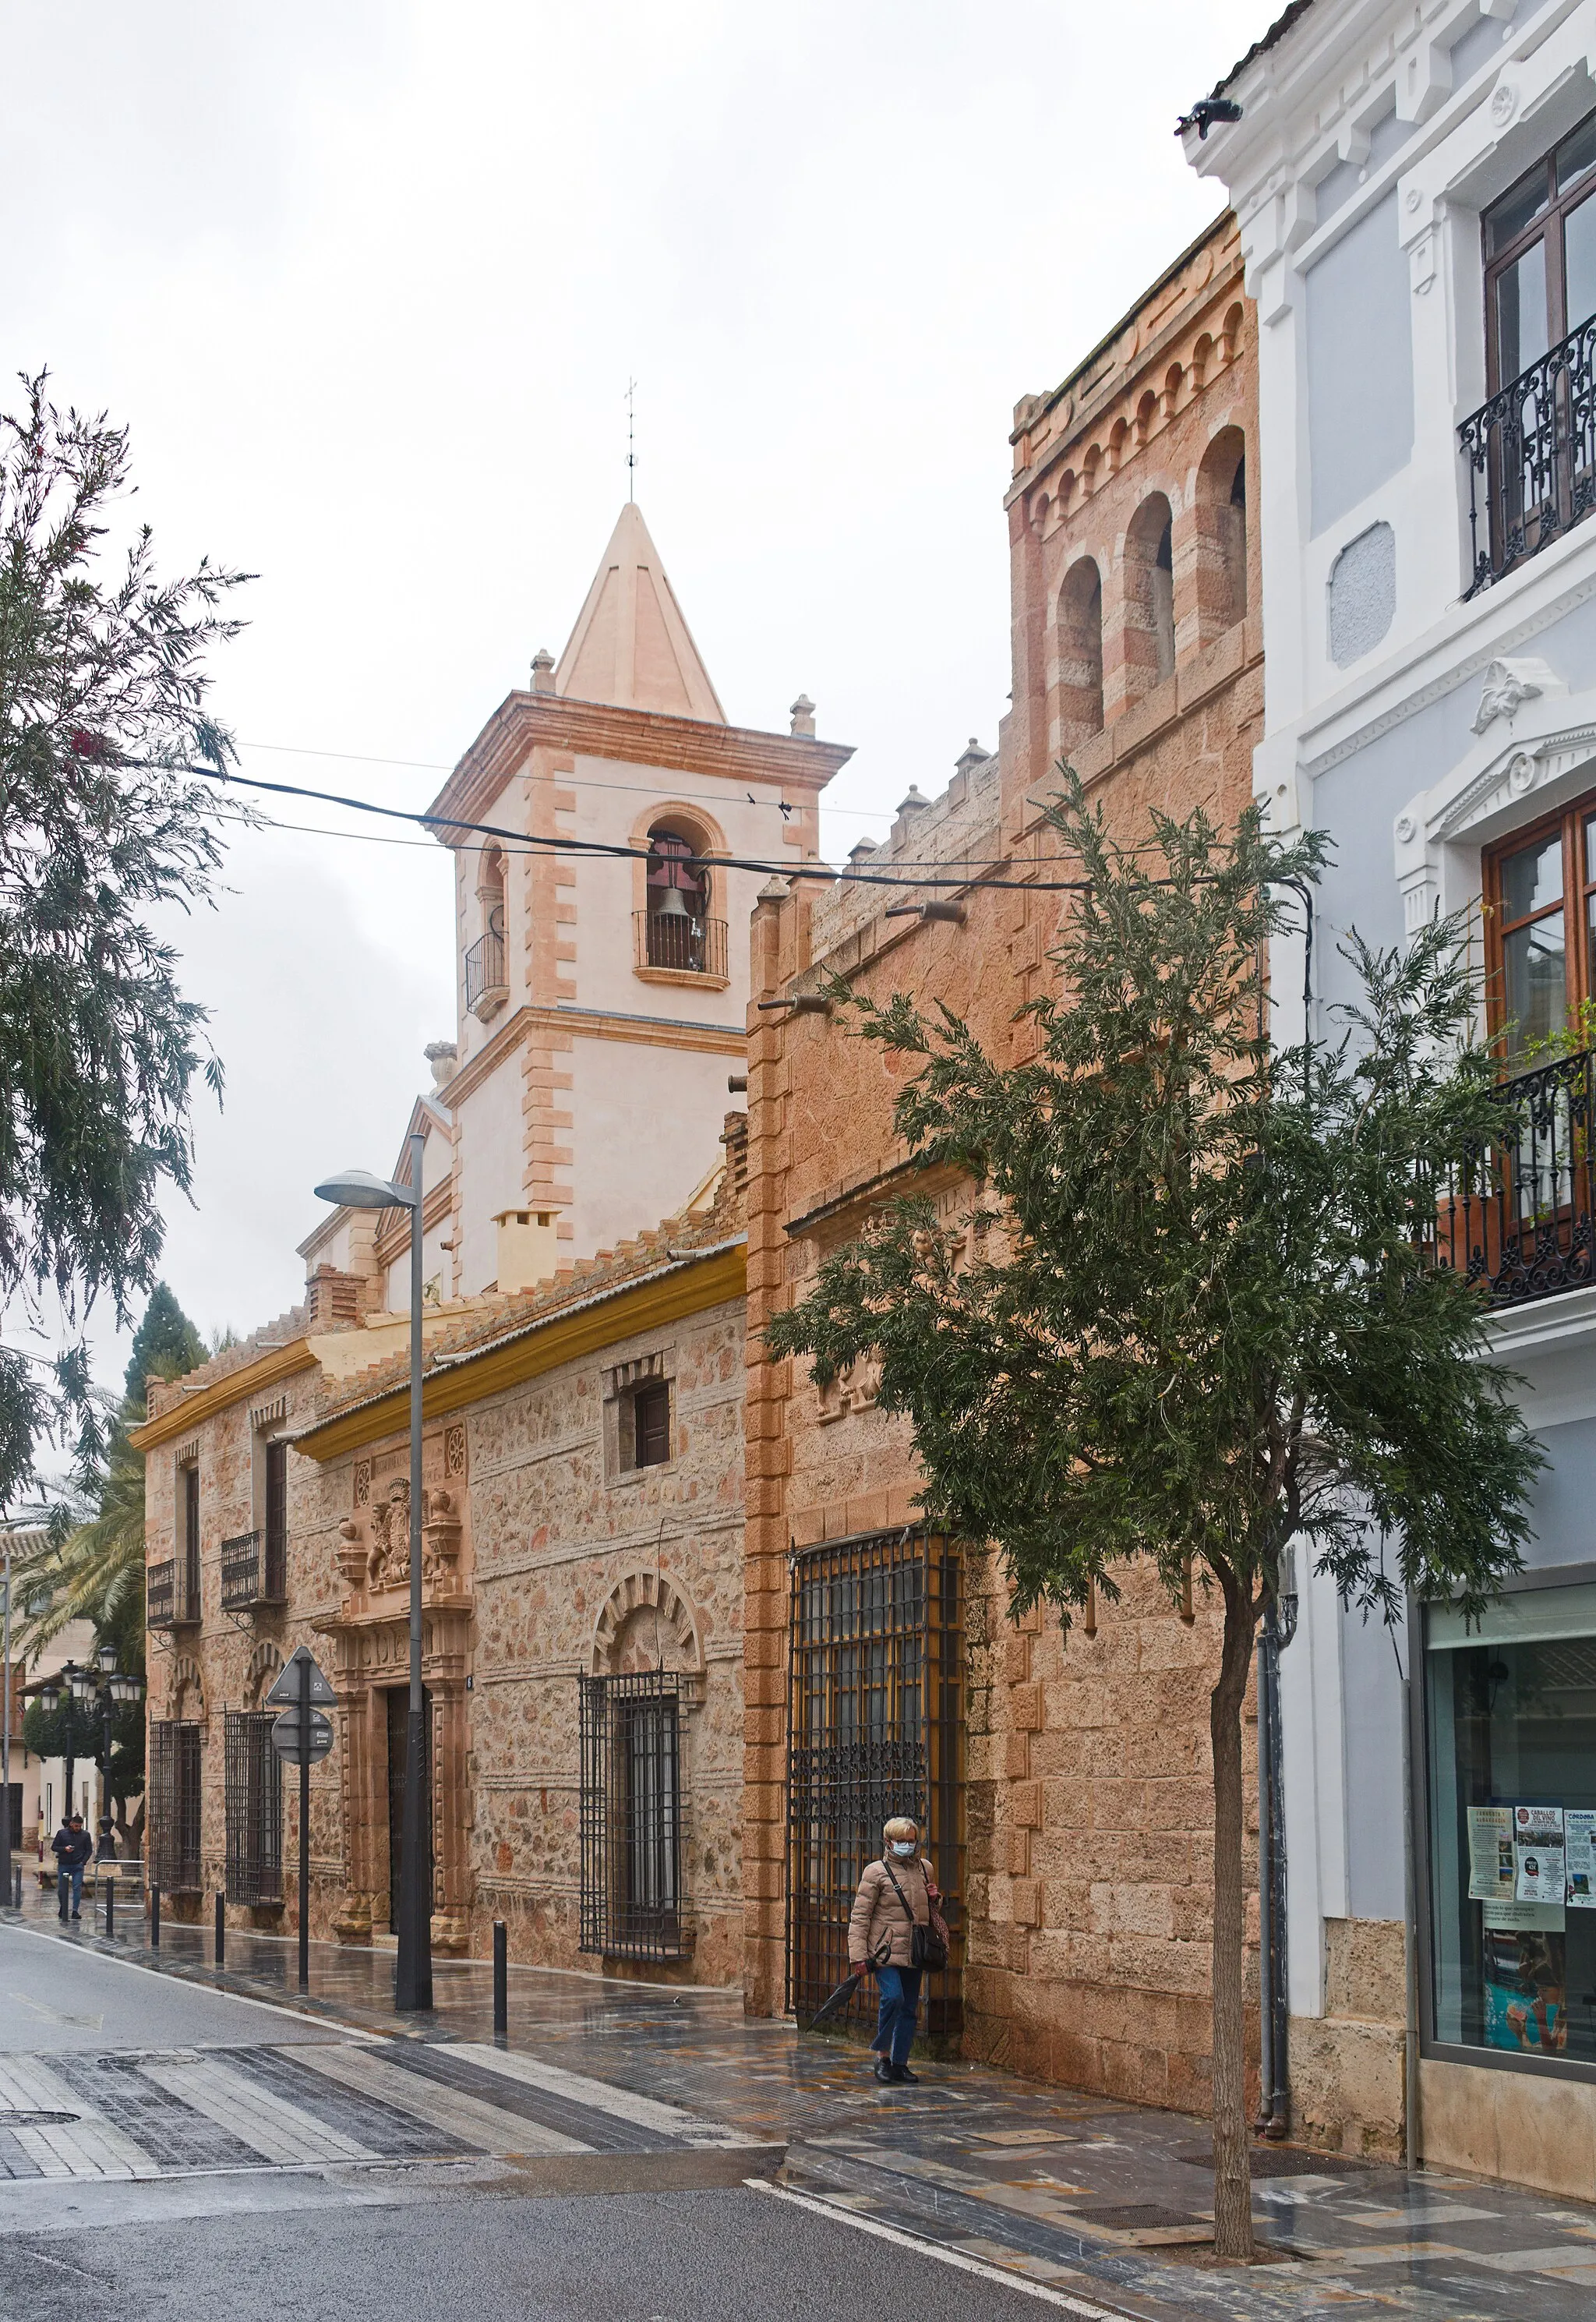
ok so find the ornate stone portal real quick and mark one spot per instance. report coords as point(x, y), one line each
point(369, 1636)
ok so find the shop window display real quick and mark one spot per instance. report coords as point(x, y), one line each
point(1512, 1707)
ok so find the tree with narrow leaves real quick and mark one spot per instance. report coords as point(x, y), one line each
point(1193, 1313)
point(102, 715)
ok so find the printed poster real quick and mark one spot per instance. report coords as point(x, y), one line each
point(1493, 1870)
point(1579, 1833)
point(1539, 1854)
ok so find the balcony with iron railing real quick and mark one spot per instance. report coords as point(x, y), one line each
point(252, 1572)
point(487, 990)
point(679, 944)
point(1516, 1218)
point(171, 1593)
point(1531, 451)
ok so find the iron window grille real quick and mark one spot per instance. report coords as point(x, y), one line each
point(1516, 1216)
point(634, 1815)
point(688, 946)
point(486, 987)
point(160, 1594)
point(875, 1728)
point(187, 1606)
point(174, 1807)
point(254, 1780)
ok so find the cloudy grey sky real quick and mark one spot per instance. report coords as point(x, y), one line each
point(368, 280)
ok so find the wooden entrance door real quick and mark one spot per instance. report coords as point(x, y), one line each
point(398, 1716)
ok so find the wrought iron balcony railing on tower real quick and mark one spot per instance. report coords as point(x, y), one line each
point(1516, 1217)
point(688, 946)
point(252, 1572)
point(486, 988)
point(1531, 453)
point(171, 1594)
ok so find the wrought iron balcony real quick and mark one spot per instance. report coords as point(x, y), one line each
point(1515, 1217)
point(486, 988)
point(171, 1595)
point(1531, 453)
point(251, 1572)
point(672, 939)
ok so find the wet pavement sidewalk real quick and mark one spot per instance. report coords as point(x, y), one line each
point(1105, 2206)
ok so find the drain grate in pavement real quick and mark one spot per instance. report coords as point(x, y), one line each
point(1134, 2217)
point(1282, 2161)
point(37, 2119)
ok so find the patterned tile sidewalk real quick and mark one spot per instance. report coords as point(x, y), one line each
point(1107, 2205)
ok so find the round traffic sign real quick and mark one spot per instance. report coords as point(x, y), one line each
point(286, 1741)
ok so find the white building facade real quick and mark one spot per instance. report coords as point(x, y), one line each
point(1414, 186)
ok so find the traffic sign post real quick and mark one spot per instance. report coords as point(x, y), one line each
point(302, 1736)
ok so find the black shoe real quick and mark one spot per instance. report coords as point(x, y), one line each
point(902, 2072)
point(76, 1914)
point(883, 2068)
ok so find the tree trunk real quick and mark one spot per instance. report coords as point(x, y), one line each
point(1233, 2184)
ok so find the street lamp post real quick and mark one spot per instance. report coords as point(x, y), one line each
point(357, 1189)
point(105, 1687)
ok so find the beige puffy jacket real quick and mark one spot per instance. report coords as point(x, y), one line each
point(878, 1925)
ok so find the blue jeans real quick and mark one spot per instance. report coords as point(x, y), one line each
point(73, 1880)
point(900, 2004)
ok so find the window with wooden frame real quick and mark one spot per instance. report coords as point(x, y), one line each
point(1540, 923)
point(1540, 258)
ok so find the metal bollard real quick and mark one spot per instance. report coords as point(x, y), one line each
point(18, 1903)
point(221, 1930)
point(110, 1910)
point(501, 1981)
point(154, 1917)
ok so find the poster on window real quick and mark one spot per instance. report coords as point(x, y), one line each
point(1525, 1986)
point(1579, 1834)
point(1492, 1871)
point(1539, 1854)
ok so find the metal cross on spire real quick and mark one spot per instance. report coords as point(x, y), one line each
point(631, 439)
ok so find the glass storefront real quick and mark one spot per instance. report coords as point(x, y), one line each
point(1512, 1712)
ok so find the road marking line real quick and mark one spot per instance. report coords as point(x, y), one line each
point(938, 2249)
point(478, 2123)
point(599, 2096)
point(279, 2131)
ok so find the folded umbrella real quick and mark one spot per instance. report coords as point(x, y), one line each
point(838, 2000)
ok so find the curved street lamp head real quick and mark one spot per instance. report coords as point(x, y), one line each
point(107, 1658)
point(358, 1189)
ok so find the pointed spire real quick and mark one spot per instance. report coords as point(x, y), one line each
point(630, 646)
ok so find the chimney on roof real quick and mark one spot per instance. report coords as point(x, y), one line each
point(542, 670)
point(803, 716)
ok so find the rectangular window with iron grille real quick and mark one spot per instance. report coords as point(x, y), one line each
point(275, 1579)
point(876, 1729)
point(254, 1809)
point(188, 1576)
point(633, 1809)
point(174, 1807)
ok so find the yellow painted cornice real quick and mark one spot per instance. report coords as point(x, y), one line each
point(689, 1287)
point(183, 1416)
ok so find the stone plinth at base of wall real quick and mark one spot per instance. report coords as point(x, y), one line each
point(1513, 2126)
point(1347, 2085)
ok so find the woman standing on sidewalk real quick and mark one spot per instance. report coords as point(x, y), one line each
point(894, 1932)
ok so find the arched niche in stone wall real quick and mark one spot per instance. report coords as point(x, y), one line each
point(185, 1693)
point(645, 1622)
point(265, 1662)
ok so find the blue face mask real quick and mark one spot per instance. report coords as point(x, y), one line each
point(903, 1847)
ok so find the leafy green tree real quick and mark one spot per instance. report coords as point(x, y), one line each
point(75, 1730)
point(103, 688)
point(1193, 1313)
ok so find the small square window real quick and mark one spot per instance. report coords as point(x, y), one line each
point(649, 1422)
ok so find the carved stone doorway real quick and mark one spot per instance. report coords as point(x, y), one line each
point(398, 1703)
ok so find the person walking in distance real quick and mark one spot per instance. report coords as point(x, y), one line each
point(71, 1847)
point(896, 1932)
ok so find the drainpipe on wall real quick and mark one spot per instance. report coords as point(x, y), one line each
point(1410, 2153)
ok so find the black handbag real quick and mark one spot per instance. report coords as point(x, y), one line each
point(927, 1945)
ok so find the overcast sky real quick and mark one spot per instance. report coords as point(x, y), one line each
point(367, 282)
